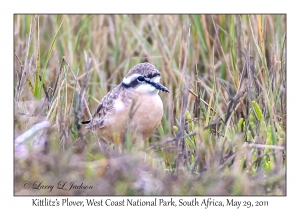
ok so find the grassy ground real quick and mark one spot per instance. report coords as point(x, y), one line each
point(224, 124)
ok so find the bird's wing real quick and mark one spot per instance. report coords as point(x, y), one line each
point(105, 106)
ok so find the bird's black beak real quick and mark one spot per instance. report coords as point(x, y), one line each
point(157, 85)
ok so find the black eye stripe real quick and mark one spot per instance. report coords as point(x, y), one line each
point(138, 81)
point(133, 83)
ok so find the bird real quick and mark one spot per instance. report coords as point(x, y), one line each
point(133, 106)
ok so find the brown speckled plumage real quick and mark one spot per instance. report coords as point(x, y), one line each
point(111, 123)
point(145, 69)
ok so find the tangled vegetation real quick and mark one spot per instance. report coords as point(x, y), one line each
point(224, 126)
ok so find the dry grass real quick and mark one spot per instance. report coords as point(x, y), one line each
point(224, 124)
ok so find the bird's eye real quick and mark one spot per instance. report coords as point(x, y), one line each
point(140, 79)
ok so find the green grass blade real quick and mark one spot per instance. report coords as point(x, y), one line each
point(38, 62)
point(47, 60)
point(262, 58)
point(258, 111)
point(79, 34)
